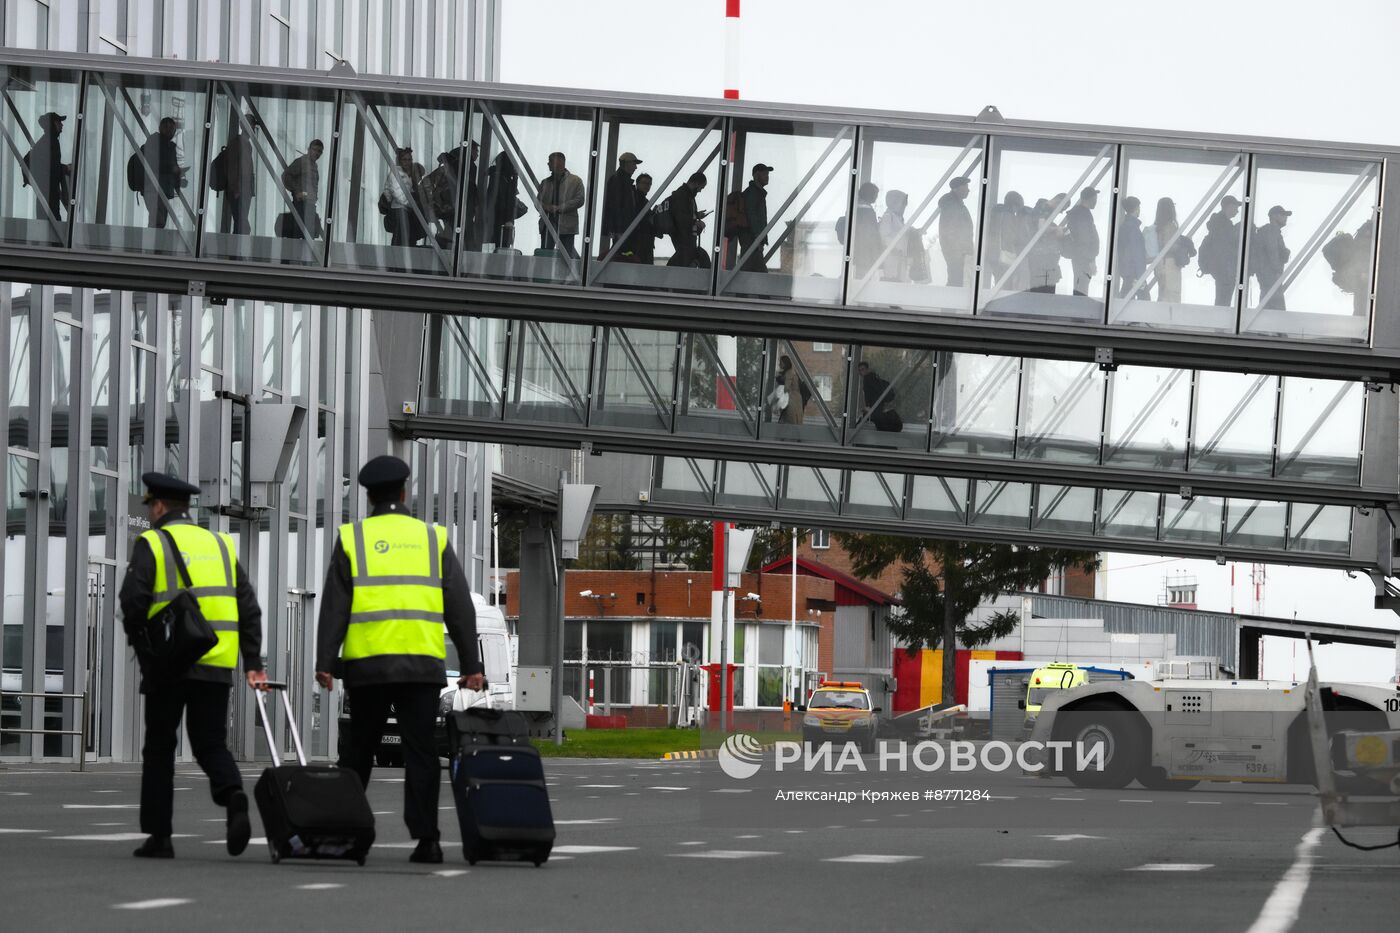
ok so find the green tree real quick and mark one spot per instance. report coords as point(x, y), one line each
point(944, 581)
point(691, 541)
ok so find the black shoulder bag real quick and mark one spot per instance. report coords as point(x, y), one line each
point(180, 635)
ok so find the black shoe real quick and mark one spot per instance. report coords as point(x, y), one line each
point(428, 852)
point(239, 830)
point(155, 847)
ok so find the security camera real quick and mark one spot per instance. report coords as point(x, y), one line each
point(753, 597)
point(585, 592)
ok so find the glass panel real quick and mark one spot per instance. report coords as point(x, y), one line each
point(533, 170)
point(938, 499)
point(268, 173)
point(770, 647)
point(1234, 423)
point(1002, 504)
point(100, 382)
point(1068, 509)
point(1311, 277)
point(1319, 435)
point(466, 358)
point(750, 485)
point(770, 685)
point(785, 215)
point(806, 393)
point(636, 378)
point(549, 374)
point(1325, 529)
point(654, 225)
point(1195, 519)
point(1045, 246)
point(893, 389)
point(680, 479)
point(722, 389)
point(1127, 513)
point(1176, 250)
point(36, 168)
point(880, 494)
point(974, 405)
point(812, 488)
point(921, 252)
point(1148, 415)
point(1061, 411)
point(138, 188)
point(398, 183)
point(1255, 523)
point(23, 309)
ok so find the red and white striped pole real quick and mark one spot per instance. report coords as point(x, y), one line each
point(590, 692)
point(728, 352)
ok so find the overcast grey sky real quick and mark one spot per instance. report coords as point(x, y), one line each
point(1254, 67)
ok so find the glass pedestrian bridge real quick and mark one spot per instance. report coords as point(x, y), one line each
point(945, 233)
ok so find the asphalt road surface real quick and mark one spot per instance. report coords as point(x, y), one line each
point(647, 845)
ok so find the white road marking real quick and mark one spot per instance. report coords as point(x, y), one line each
point(15, 793)
point(120, 824)
point(722, 853)
point(26, 830)
point(323, 886)
point(794, 832)
point(255, 841)
point(601, 819)
point(1280, 911)
point(1066, 798)
point(450, 872)
point(115, 837)
point(668, 788)
point(154, 903)
point(732, 790)
point(106, 792)
point(690, 843)
point(993, 798)
point(874, 859)
point(1068, 837)
point(631, 793)
point(1172, 866)
point(589, 850)
point(100, 806)
point(1260, 803)
point(600, 785)
point(749, 836)
point(1025, 863)
point(1204, 803)
point(1133, 800)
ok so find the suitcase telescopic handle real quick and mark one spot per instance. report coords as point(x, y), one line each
point(281, 688)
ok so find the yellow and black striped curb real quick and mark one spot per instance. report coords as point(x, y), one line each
point(704, 754)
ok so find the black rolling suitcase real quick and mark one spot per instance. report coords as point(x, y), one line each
point(310, 811)
point(499, 786)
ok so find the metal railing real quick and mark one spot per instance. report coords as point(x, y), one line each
point(81, 732)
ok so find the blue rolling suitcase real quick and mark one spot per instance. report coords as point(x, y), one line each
point(499, 787)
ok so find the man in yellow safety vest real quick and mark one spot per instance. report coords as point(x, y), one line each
point(229, 605)
point(394, 585)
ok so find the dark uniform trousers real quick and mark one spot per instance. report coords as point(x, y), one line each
point(205, 708)
point(415, 708)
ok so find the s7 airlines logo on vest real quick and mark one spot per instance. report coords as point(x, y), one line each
point(383, 547)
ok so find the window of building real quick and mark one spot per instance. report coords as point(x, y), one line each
point(821, 540)
point(823, 384)
point(821, 347)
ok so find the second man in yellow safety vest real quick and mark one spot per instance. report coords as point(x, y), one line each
point(394, 586)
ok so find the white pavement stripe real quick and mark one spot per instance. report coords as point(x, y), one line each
point(115, 837)
point(601, 819)
point(153, 903)
point(732, 790)
point(589, 850)
point(323, 886)
point(874, 859)
point(1134, 800)
point(1172, 866)
point(1025, 863)
point(668, 788)
point(993, 797)
point(100, 806)
point(26, 830)
point(1066, 798)
point(15, 793)
point(1260, 803)
point(255, 841)
point(749, 836)
point(600, 785)
point(1280, 911)
point(1204, 803)
point(450, 872)
point(721, 853)
point(692, 843)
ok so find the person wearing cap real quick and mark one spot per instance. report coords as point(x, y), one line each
point(1081, 243)
point(561, 195)
point(229, 604)
point(1268, 256)
point(755, 198)
point(955, 234)
point(393, 585)
point(620, 205)
point(48, 172)
point(1220, 251)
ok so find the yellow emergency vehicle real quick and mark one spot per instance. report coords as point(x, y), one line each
point(840, 711)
